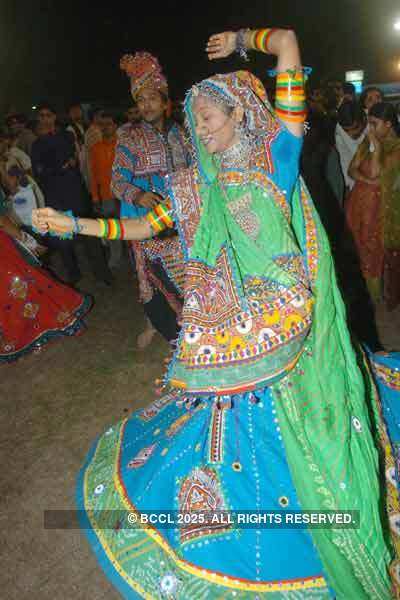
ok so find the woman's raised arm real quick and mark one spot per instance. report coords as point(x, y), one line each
point(290, 96)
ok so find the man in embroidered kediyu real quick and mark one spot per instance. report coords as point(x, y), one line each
point(146, 153)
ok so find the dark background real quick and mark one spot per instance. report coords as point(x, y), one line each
point(63, 51)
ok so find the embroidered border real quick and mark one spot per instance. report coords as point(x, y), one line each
point(216, 435)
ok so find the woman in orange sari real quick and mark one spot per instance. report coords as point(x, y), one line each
point(373, 207)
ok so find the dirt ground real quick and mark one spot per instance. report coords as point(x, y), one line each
point(53, 405)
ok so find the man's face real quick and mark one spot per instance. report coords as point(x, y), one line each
point(133, 114)
point(75, 114)
point(109, 127)
point(355, 130)
point(47, 119)
point(151, 105)
point(337, 88)
point(317, 99)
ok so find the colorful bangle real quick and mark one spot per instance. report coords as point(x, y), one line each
point(290, 101)
point(160, 218)
point(121, 224)
point(103, 227)
point(260, 39)
point(111, 229)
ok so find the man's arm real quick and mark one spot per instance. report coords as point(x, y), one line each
point(123, 175)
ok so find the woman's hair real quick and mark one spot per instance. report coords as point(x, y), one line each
point(386, 112)
point(350, 114)
point(365, 93)
point(219, 101)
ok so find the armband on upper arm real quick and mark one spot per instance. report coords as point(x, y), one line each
point(290, 103)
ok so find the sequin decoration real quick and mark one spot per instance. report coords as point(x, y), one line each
point(142, 457)
point(18, 288)
point(216, 436)
point(30, 310)
point(247, 220)
point(390, 377)
point(154, 409)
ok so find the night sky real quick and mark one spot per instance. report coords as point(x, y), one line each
point(63, 51)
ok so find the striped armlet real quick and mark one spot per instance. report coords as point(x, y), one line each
point(160, 218)
point(290, 102)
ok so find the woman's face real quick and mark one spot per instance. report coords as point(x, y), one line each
point(380, 127)
point(215, 128)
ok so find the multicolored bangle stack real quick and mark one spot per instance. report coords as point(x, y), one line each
point(111, 229)
point(160, 218)
point(260, 39)
point(290, 102)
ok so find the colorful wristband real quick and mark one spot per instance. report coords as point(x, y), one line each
point(160, 218)
point(260, 39)
point(111, 229)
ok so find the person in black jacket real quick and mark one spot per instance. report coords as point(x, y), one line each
point(55, 167)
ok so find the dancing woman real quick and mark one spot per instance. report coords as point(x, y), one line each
point(35, 309)
point(268, 407)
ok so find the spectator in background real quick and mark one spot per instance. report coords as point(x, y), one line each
point(132, 117)
point(92, 136)
point(315, 158)
point(55, 166)
point(335, 92)
point(101, 162)
point(373, 207)
point(22, 199)
point(94, 132)
point(24, 137)
point(133, 114)
point(76, 126)
point(349, 92)
point(13, 157)
point(350, 132)
point(316, 100)
point(370, 97)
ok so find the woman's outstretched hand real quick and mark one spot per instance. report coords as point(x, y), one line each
point(221, 45)
point(46, 219)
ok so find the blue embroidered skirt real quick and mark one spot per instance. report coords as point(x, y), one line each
point(206, 457)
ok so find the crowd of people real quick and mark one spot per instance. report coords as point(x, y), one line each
point(269, 405)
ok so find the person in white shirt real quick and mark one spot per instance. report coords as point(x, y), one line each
point(13, 157)
point(22, 198)
point(350, 132)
